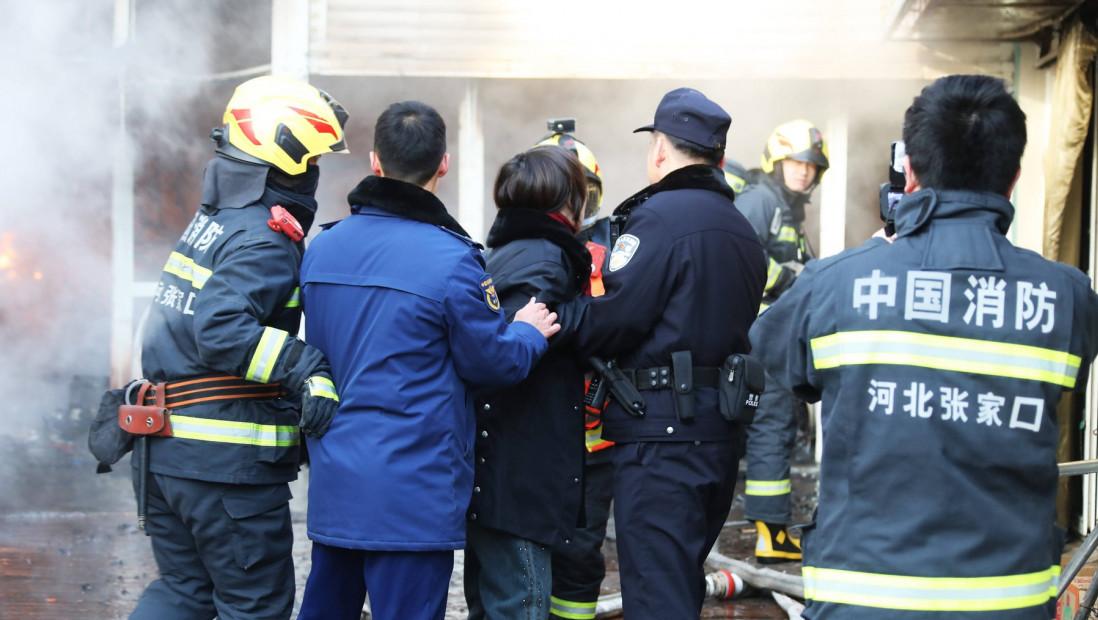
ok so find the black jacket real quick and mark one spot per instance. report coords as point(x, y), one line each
point(530, 438)
point(686, 274)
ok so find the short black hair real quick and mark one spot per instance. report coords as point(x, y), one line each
point(544, 178)
point(695, 151)
point(965, 132)
point(410, 141)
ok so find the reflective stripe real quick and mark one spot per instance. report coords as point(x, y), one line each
point(930, 593)
point(224, 431)
point(185, 268)
point(571, 609)
point(594, 440)
point(768, 487)
point(295, 299)
point(266, 354)
point(320, 386)
point(946, 353)
point(787, 234)
point(773, 270)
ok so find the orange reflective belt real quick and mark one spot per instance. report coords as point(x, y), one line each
point(210, 389)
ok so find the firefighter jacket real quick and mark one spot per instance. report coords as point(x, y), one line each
point(596, 238)
point(529, 444)
point(939, 360)
point(776, 215)
point(227, 304)
point(663, 295)
point(397, 298)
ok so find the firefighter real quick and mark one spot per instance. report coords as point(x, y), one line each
point(671, 322)
point(793, 162)
point(579, 565)
point(940, 359)
point(240, 385)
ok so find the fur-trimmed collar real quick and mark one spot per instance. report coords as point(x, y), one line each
point(518, 223)
point(694, 176)
point(403, 200)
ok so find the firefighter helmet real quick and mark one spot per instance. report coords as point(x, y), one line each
point(590, 166)
point(798, 140)
point(282, 123)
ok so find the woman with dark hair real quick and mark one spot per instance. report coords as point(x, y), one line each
point(528, 484)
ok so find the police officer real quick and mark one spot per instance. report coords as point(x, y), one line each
point(793, 162)
point(220, 336)
point(579, 565)
point(670, 318)
point(940, 359)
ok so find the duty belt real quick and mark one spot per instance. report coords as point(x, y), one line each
point(209, 389)
point(660, 377)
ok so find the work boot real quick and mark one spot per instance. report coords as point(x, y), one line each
point(775, 545)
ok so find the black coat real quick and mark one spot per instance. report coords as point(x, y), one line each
point(530, 437)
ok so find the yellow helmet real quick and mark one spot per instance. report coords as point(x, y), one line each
point(280, 122)
point(798, 140)
point(587, 158)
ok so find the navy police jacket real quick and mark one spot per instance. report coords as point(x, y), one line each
point(400, 303)
point(227, 304)
point(529, 445)
point(687, 274)
point(939, 360)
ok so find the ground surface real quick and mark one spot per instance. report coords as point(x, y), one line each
point(70, 548)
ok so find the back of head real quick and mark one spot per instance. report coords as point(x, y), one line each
point(590, 166)
point(410, 141)
point(965, 132)
point(693, 125)
point(544, 178)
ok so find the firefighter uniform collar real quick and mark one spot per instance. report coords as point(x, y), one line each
point(232, 184)
point(916, 210)
point(403, 200)
point(514, 224)
point(695, 176)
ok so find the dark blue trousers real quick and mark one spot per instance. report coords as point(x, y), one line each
point(221, 549)
point(403, 585)
point(579, 566)
point(671, 500)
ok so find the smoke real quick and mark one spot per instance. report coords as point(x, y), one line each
point(73, 100)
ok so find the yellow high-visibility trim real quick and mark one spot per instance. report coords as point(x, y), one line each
point(266, 354)
point(930, 593)
point(186, 269)
point(320, 386)
point(985, 357)
point(773, 270)
point(573, 610)
point(787, 234)
point(225, 431)
point(295, 299)
point(767, 488)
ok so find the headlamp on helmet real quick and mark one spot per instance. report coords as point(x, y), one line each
point(798, 140)
point(282, 123)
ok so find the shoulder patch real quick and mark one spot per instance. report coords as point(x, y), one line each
point(624, 249)
point(490, 296)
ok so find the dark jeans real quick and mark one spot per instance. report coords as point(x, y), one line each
point(506, 577)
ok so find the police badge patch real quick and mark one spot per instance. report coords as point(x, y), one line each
point(624, 250)
point(490, 297)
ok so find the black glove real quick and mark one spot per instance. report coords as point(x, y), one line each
point(319, 402)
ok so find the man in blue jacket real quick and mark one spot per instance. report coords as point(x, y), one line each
point(939, 359)
point(399, 302)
